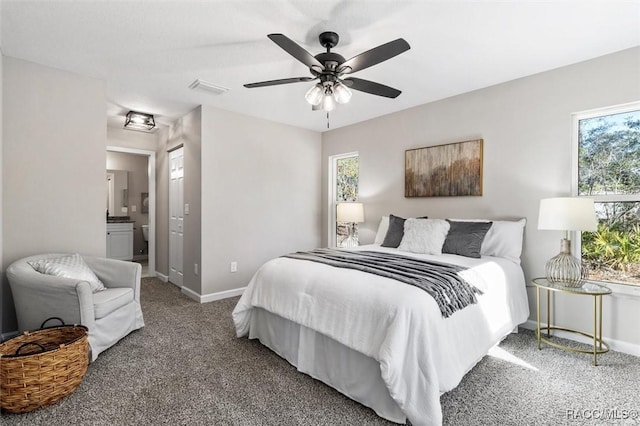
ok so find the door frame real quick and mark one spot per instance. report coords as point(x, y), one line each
point(151, 166)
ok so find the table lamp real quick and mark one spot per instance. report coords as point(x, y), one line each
point(350, 213)
point(567, 214)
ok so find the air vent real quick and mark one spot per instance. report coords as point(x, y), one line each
point(209, 87)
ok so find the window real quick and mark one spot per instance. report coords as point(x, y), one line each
point(343, 187)
point(608, 170)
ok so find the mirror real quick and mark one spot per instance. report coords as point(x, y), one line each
point(117, 193)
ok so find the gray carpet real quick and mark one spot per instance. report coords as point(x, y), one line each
point(186, 367)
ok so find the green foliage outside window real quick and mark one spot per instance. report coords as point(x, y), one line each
point(347, 177)
point(609, 155)
point(609, 165)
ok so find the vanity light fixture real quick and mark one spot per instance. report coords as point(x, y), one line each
point(139, 121)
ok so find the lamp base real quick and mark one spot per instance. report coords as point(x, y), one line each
point(564, 269)
point(350, 241)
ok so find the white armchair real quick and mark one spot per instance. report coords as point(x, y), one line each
point(109, 314)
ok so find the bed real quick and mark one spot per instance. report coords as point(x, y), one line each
point(379, 341)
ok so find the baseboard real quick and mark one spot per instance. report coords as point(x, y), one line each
point(162, 277)
point(211, 297)
point(615, 345)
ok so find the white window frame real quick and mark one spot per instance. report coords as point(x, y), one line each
point(576, 242)
point(331, 193)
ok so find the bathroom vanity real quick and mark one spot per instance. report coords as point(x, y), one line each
point(120, 240)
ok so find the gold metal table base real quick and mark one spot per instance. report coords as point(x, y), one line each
point(599, 346)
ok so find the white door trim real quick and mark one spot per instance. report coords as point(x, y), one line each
point(152, 199)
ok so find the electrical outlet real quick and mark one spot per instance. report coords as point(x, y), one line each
point(195, 268)
point(186, 208)
point(133, 208)
point(234, 266)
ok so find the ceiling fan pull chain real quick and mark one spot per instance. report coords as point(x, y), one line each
point(327, 119)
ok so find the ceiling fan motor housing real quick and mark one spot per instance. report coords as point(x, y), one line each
point(328, 39)
point(330, 60)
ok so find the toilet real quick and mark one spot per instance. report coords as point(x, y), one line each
point(145, 232)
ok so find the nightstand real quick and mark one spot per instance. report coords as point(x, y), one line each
point(587, 289)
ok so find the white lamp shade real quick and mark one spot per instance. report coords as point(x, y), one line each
point(350, 212)
point(567, 214)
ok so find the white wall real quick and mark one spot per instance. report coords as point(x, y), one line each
point(260, 195)
point(526, 127)
point(162, 203)
point(53, 163)
point(3, 289)
point(133, 139)
point(191, 137)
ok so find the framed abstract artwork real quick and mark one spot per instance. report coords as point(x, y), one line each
point(444, 170)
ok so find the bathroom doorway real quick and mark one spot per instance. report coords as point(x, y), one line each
point(145, 202)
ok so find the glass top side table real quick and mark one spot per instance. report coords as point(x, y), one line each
point(587, 289)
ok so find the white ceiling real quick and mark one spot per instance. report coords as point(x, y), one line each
point(150, 51)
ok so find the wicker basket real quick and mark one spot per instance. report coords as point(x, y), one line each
point(39, 368)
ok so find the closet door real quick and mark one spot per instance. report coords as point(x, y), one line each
point(176, 215)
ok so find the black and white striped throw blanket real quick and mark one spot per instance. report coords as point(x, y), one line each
point(441, 280)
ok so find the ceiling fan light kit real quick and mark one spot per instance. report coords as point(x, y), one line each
point(315, 94)
point(328, 103)
point(341, 93)
point(331, 69)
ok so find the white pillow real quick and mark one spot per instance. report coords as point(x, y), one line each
point(72, 266)
point(504, 238)
point(424, 236)
point(382, 230)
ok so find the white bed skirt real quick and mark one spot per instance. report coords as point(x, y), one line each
point(350, 372)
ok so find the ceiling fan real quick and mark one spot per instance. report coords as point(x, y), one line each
point(333, 71)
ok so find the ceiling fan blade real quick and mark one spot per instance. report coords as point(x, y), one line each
point(295, 50)
point(374, 56)
point(281, 81)
point(371, 87)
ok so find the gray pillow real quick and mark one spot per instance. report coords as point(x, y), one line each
point(395, 231)
point(465, 238)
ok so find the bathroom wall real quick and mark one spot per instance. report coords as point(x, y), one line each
point(138, 182)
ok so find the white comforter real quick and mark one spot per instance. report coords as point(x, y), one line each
point(421, 354)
